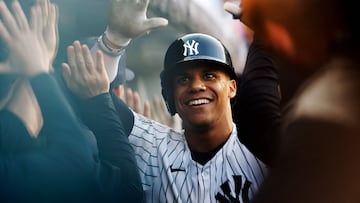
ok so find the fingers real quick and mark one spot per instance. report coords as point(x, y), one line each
point(88, 60)
point(155, 22)
point(20, 16)
point(81, 75)
point(133, 100)
point(44, 6)
point(147, 109)
point(53, 20)
point(4, 34)
point(130, 98)
point(71, 56)
point(66, 72)
point(158, 110)
point(100, 65)
point(80, 60)
point(8, 23)
point(233, 9)
point(50, 31)
point(35, 19)
point(77, 60)
point(119, 91)
point(137, 103)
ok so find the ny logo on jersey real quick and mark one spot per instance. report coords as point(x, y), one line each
point(191, 48)
point(228, 198)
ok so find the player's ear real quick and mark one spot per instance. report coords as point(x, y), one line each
point(280, 37)
point(232, 88)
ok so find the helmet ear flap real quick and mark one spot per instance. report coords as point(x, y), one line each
point(166, 89)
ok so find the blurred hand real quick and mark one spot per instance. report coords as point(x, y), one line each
point(161, 114)
point(236, 10)
point(133, 100)
point(154, 109)
point(233, 9)
point(28, 53)
point(127, 19)
point(84, 77)
point(50, 32)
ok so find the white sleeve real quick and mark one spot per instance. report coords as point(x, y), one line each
point(111, 62)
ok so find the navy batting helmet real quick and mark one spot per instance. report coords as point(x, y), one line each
point(190, 48)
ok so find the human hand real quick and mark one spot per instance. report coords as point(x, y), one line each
point(133, 100)
point(235, 9)
point(84, 77)
point(50, 32)
point(161, 114)
point(27, 50)
point(127, 19)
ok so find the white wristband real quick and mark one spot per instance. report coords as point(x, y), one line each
point(117, 40)
point(107, 49)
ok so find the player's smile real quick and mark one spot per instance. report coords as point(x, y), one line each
point(197, 102)
point(198, 105)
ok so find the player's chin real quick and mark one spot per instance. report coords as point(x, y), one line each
point(199, 119)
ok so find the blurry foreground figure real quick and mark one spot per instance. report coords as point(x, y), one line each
point(46, 154)
point(319, 41)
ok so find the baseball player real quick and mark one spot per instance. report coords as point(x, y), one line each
point(206, 162)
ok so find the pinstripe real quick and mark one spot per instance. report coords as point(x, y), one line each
point(243, 171)
point(255, 177)
point(162, 171)
point(159, 150)
point(247, 161)
point(198, 185)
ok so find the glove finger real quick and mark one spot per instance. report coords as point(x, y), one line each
point(233, 9)
point(155, 23)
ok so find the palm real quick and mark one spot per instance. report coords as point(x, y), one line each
point(128, 18)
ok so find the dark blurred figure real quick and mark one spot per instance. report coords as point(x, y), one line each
point(319, 41)
point(46, 153)
point(45, 156)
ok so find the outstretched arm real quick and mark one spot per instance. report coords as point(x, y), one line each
point(88, 80)
point(127, 20)
point(257, 112)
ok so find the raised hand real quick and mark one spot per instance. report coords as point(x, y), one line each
point(160, 113)
point(133, 100)
point(27, 49)
point(50, 32)
point(83, 76)
point(233, 9)
point(236, 10)
point(127, 19)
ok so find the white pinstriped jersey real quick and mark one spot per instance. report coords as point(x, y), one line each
point(169, 174)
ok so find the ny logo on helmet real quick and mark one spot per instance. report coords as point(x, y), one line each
point(191, 48)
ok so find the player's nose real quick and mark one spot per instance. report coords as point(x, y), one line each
point(197, 84)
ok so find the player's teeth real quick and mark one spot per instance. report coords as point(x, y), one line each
point(199, 101)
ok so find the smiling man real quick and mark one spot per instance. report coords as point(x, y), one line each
point(206, 161)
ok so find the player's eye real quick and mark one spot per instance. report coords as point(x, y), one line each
point(181, 79)
point(209, 75)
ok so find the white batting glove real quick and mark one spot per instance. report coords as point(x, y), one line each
point(127, 19)
point(233, 9)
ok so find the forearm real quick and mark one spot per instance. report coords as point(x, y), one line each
point(257, 111)
point(111, 62)
point(53, 103)
point(124, 112)
point(113, 48)
point(99, 114)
